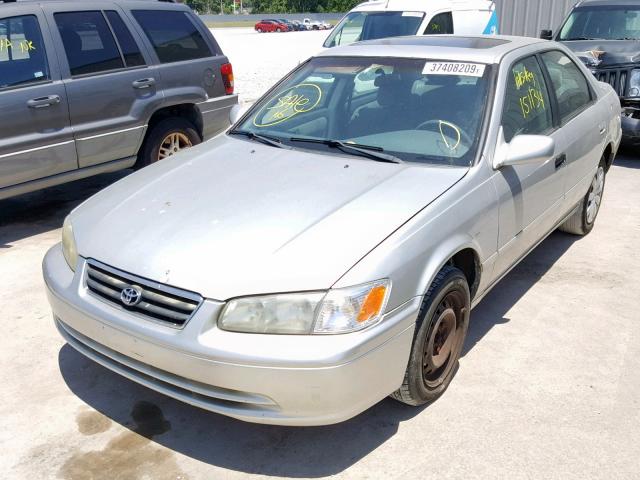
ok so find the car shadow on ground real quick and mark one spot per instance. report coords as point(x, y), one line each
point(42, 211)
point(287, 451)
point(628, 157)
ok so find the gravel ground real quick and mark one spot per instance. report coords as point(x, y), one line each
point(260, 60)
point(548, 386)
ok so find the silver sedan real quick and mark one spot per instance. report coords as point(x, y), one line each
point(327, 250)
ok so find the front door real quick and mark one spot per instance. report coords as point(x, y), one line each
point(530, 196)
point(36, 140)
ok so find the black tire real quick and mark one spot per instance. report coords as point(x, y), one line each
point(427, 375)
point(149, 153)
point(581, 222)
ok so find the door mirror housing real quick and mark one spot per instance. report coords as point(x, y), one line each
point(523, 150)
point(236, 113)
point(546, 34)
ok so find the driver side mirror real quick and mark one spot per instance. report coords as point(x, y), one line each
point(546, 34)
point(236, 113)
point(523, 150)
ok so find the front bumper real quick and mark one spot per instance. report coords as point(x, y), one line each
point(273, 379)
point(631, 122)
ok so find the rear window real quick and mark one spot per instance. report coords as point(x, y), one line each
point(173, 35)
point(130, 49)
point(22, 56)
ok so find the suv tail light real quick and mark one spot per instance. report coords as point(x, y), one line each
point(226, 71)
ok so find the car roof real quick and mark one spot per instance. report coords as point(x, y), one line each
point(422, 6)
point(139, 3)
point(608, 3)
point(469, 48)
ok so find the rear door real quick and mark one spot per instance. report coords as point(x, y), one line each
point(110, 81)
point(36, 140)
point(583, 123)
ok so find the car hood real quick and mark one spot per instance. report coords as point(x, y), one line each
point(616, 52)
point(233, 217)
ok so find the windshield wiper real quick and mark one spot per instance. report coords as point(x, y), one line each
point(369, 151)
point(579, 38)
point(267, 140)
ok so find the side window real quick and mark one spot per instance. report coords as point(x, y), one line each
point(129, 47)
point(173, 35)
point(527, 109)
point(441, 24)
point(88, 42)
point(571, 86)
point(22, 56)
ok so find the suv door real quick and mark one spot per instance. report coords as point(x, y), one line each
point(186, 50)
point(530, 196)
point(584, 126)
point(36, 140)
point(111, 85)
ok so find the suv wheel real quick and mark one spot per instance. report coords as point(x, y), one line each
point(438, 340)
point(166, 139)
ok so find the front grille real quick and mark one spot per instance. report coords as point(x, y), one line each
point(616, 77)
point(158, 302)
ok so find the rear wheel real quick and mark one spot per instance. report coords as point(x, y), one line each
point(167, 138)
point(438, 340)
point(581, 222)
point(259, 30)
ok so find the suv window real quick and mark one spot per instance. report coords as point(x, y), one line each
point(441, 24)
point(173, 35)
point(130, 50)
point(527, 109)
point(88, 42)
point(22, 56)
point(571, 86)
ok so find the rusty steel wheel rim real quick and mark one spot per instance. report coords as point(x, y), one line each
point(172, 144)
point(443, 341)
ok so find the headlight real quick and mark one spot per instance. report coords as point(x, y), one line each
point(69, 249)
point(634, 83)
point(336, 311)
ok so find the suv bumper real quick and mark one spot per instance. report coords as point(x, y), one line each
point(215, 114)
point(273, 379)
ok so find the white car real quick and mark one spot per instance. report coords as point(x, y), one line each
point(395, 18)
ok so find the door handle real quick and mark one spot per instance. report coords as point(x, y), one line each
point(603, 130)
point(144, 83)
point(43, 102)
point(560, 161)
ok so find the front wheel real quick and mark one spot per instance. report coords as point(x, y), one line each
point(438, 340)
point(581, 222)
point(165, 139)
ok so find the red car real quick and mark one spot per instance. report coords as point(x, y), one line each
point(270, 26)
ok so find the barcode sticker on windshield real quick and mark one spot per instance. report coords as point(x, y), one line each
point(454, 68)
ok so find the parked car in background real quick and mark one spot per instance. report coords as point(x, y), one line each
point(92, 87)
point(393, 18)
point(312, 24)
point(327, 250)
point(299, 25)
point(290, 25)
point(267, 26)
point(606, 37)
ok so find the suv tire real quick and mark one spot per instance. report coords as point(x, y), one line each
point(581, 222)
point(438, 339)
point(175, 128)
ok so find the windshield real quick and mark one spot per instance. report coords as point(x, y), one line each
point(358, 26)
point(413, 110)
point(602, 23)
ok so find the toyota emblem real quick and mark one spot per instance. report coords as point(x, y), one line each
point(131, 296)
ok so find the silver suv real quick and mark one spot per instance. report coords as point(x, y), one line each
point(96, 86)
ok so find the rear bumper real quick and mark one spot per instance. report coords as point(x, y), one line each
point(215, 114)
point(274, 379)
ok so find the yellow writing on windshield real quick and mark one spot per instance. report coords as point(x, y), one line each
point(533, 100)
point(301, 98)
point(23, 46)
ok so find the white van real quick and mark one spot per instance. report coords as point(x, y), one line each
point(393, 18)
